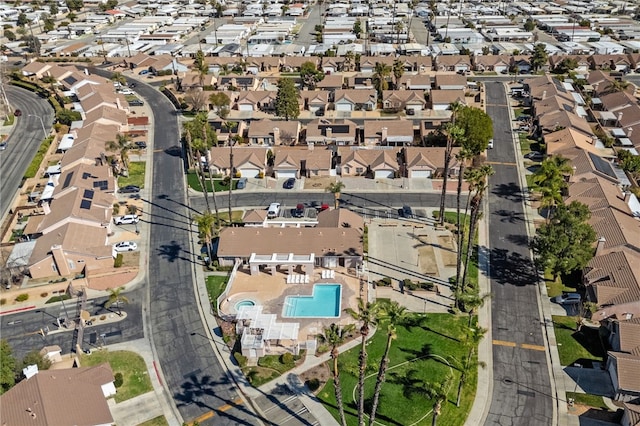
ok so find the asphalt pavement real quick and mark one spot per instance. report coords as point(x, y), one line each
point(522, 392)
point(23, 142)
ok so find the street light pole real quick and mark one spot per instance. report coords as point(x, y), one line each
point(44, 131)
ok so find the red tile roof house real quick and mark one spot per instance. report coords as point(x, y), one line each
point(248, 161)
point(301, 162)
point(74, 396)
point(374, 163)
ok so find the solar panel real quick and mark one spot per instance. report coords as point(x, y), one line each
point(67, 180)
point(602, 165)
point(86, 175)
point(88, 193)
point(85, 204)
point(103, 185)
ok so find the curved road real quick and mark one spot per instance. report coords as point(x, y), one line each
point(23, 142)
point(521, 383)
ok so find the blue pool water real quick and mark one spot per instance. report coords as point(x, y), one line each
point(242, 303)
point(323, 303)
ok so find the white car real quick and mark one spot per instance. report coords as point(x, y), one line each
point(490, 145)
point(127, 219)
point(125, 246)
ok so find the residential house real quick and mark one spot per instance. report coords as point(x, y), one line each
point(419, 162)
point(522, 64)
point(270, 132)
point(373, 163)
point(403, 100)
point(360, 82)
point(431, 121)
point(492, 63)
point(455, 63)
point(102, 98)
point(167, 63)
point(355, 100)
point(263, 64)
point(195, 80)
point(74, 396)
point(301, 162)
point(293, 63)
point(388, 132)
point(109, 116)
point(620, 63)
point(624, 370)
point(256, 100)
point(368, 63)
point(36, 69)
point(238, 82)
point(442, 99)
point(449, 82)
point(624, 332)
point(631, 415)
point(582, 62)
point(331, 132)
point(247, 161)
point(415, 82)
point(417, 64)
point(315, 100)
point(564, 142)
point(331, 82)
point(558, 120)
point(227, 130)
point(332, 64)
point(612, 279)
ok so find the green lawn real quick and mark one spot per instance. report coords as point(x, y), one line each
point(130, 365)
point(594, 401)
point(573, 345)
point(194, 183)
point(157, 421)
point(136, 175)
point(215, 287)
point(418, 358)
point(556, 287)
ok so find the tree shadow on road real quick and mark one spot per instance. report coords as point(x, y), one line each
point(509, 191)
point(511, 268)
point(509, 216)
point(172, 252)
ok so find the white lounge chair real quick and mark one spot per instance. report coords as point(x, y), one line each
point(324, 274)
point(306, 279)
point(289, 279)
point(333, 274)
point(298, 279)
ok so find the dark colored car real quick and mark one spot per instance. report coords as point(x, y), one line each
point(17, 113)
point(289, 183)
point(298, 211)
point(242, 183)
point(320, 112)
point(141, 145)
point(136, 102)
point(405, 211)
point(129, 189)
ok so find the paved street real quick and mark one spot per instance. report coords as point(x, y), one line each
point(306, 36)
point(521, 384)
point(24, 141)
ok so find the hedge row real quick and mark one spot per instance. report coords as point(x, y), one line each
point(33, 168)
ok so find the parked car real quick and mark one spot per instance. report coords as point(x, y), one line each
point(534, 156)
point(289, 183)
point(490, 145)
point(135, 102)
point(125, 246)
point(143, 72)
point(405, 211)
point(568, 299)
point(320, 112)
point(129, 189)
point(273, 211)
point(242, 183)
point(127, 219)
point(17, 113)
point(141, 145)
point(3, 146)
point(411, 111)
point(298, 211)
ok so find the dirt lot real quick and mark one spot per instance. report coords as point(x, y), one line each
point(318, 182)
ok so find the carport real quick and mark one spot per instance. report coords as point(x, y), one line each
point(274, 260)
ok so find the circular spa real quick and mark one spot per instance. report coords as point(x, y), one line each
point(245, 302)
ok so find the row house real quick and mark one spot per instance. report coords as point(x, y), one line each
point(269, 132)
point(331, 132)
point(296, 162)
point(398, 100)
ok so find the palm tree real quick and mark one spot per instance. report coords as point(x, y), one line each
point(380, 77)
point(472, 301)
point(115, 297)
point(395, 314)
point(205, 224)
point(398, 71)
point(335, 188)
point(334, 335)
point(366, 316)
point(454, 133)
point(550, 180)
point(616, 86)
point(463, 156)
point(199, 147)
point(480, 185)
point(120, 145)
point(230, 125)
point(349, 58)
point(466, 367)
point(213, 187)
point(438, 392)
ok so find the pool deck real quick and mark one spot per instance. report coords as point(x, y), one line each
point(270, 292)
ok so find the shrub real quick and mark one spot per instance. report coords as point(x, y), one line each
point(3, 301)
point(131, 209)
point(240, 359)
point(313, 384)
point(45, 294)
point(321, 349)
point(22, 297)
point(385, 282)
point(427, 286)
point(103, 317)
point(117, 263)
point(286, 358)
point(118, 380)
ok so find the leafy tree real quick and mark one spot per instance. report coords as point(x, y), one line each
point(199, 61)
point(53, 8)
point(7, 367)
point(476, 126)
point(564, 244)
point(380, 78)
point(72, 17)
point(349, 61)
point(74, 5)
point(334, 336)
point(366, 316)
point(120, 145)
point(48, 23)
point(66, 116)
point(118, 77)
point(549, 178)
point(394, 314)
point(196, 128)
point(335, 188)
point(629, 163)
point(616, 86)
point(539, 56)
point(357, 28)
point(287, 105)
point(34, 358)
point(220, 101)
point(486, 50)
point(196, 99)
point(529, 25)
point(310, 75)
point(398, 71)
point(22, 20)
point(10, 35)
point(108, 5)
point(205, 224)
point(33, 44)
point(566, 65)
point(116, 297)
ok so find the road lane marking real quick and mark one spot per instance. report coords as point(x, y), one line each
point(499, 105)
point(210, 414)
point(503, 343)
point(519, 345)
point(158, 150)
point(204, 417)
point(533, 347)
point(499, 163)
point(235, 402)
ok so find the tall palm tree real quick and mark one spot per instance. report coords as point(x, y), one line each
point(395, 314)
point(550, 180)
point(381, 74)
point(463, 156)
point(335, 188)
point(230, 125)
point(438, 392)
point(199, 147)
point(349, 59)
point(334, 335)
point(398, 71)
point(205, 125)
point(121, 146)
point(366, 316)
point(205, 224)
point(480, 185)
point(116, 297)
point(472, 301)
point(466, 367)
point(454, 133)
point(616, 86)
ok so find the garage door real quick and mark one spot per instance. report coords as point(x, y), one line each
point(384, 174)
point(421, 174)
point(250, 173)
point(285, 174)
point(343, 107)
point(245, 107)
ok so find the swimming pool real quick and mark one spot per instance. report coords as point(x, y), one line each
point(324, 302)
point(242, 303)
